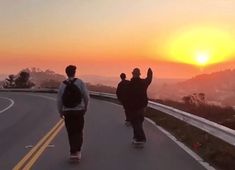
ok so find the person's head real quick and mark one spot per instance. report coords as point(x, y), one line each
point(70, 70)
point(136, 73)
point(123, 76)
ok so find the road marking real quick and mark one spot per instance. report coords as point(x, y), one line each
point(8, 107)
point(28, 146)
point(29, 159)
point(51, 146)
point(180, 144)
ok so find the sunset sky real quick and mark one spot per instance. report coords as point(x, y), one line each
point(177, 38)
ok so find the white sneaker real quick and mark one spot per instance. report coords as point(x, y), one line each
point(77, 156)
point(135, 142)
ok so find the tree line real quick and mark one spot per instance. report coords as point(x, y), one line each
point(18, 81)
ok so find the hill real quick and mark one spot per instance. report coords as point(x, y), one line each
point(38, 77)
point(218, 87)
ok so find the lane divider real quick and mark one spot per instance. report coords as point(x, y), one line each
point(29, 159)
point(8, 107)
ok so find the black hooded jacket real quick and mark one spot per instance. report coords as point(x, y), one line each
point(122, 92)
point(138, 91)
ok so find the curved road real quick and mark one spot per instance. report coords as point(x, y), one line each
point(107, 141)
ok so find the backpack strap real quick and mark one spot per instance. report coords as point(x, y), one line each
point(67, 82)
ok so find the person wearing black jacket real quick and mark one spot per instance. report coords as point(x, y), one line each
point(138, 101)
point(122, 92)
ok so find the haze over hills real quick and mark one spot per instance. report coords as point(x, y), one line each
point(40, 78)
point(2, 77)
point(219, 87)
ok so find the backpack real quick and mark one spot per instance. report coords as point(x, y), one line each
point(72, 95)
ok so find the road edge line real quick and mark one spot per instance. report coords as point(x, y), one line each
point(180, 144)
point(8, 107)
point(183, 146)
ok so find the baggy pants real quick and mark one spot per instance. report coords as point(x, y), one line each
point(137, 120)
point(74, 123)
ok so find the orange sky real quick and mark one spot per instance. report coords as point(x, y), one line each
point(107, 37)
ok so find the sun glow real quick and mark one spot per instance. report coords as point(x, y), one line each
point(202, 58)
point(202, 46)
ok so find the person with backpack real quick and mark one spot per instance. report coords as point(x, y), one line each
point(138, 102)
point(122, 95)
point(72, 104)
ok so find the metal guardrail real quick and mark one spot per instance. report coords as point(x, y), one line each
point(219, 131)
point(215, 129)
point(38, 90)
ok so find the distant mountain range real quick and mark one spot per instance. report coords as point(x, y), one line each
point(219, 87)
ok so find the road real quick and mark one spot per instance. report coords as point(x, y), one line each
point(107, 141)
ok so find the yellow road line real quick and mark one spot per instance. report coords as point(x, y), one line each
point(36, 151)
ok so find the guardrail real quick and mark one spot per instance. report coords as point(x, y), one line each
point(219, 131)
point(38, 90)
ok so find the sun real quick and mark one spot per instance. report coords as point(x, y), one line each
point(201, 46)
point(202, 58)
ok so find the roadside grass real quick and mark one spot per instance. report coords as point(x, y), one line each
point(216, 152)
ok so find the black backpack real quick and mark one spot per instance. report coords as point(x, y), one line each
point(72, 95)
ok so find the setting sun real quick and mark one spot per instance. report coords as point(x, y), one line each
point(202, 46)
point(202, 58)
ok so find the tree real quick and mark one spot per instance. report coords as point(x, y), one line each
point(23, 80)
point(10, 81)
point(187, 99)
point(195, 99)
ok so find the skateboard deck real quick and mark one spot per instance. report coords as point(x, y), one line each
point(138, 145)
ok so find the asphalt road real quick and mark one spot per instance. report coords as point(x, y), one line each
point(107, 141)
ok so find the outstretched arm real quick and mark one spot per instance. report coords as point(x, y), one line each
point(149, 76)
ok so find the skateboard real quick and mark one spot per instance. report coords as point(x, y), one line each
point(138, 145)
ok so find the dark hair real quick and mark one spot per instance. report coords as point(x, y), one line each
point(122, 76)
point(70, 70)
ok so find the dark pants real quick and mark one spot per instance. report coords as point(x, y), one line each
point(137, 119)
point(127, 112)
point(74, 123)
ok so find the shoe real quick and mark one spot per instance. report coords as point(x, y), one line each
point(128, 123)
point(138, 142)
point(75, 156)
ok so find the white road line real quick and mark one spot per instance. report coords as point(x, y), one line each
point(8, 107)
point(183, 146)
point(180, 144)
